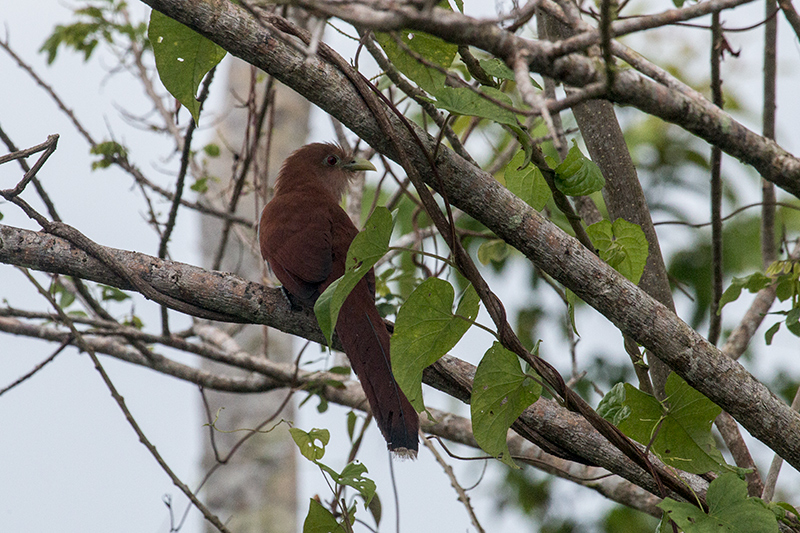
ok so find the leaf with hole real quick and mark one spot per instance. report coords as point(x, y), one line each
point(183, 58)
point(311, 443)
point(353, 476)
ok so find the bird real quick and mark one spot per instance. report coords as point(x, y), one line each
point(304, 235)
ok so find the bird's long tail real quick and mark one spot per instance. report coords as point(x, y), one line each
point(366, 342)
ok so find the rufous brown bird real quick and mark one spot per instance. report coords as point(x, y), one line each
point(304, 236)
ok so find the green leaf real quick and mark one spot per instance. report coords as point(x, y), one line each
point(793, 321)
point(612, 407)
point(81, 36)
point(134, 322)
point(493, 250)
point(460, 5)
point(376, 509)
point(351, 424)
point(572, 299)
point(500, 393)
point(94, 24)
point(682, 431)
point(200, 185)
point(425, 330)
point(109, 152)
point(320, 520)
point(341, 370)
point(307, 442)
point(770, 333)
point(353, 476)
point(369, 245)
point(464, 101)
point(183, 58)
point(65, 297)
point(783, 509)
point(729, 509)
point(497, 68)
point(753, 283)
point(527, 182)
point(664, 525)
point(211, 150)
point(432, 49)
point(622, 245)
point(113, 293)
point(577, 175)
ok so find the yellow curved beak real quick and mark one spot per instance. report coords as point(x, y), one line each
point(357, 164)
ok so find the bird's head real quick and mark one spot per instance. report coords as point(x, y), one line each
point(320, 164)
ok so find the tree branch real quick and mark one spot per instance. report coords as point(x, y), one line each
point(649, 323)
point(546, 424)
point(689, 111)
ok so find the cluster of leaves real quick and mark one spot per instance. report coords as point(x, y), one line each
point(729, 509)
point(99, 20)
point(784, 276)
point(678, 431)
point(319, 518)
point(109, 152)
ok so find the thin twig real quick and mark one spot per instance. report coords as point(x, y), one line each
point(211, 517)
point(185, 158)
point(463, 497)
point(769, 252)
point(777, 462)
point(51, 208)
point(416, 94)
point(38, 367)
point(253, 135)
point(791, 15)
point(48, 147)
point(523, 78)
point(715, 319)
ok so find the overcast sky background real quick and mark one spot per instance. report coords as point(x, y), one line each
point(69, 461)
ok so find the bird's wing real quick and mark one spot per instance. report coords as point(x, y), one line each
point(297, 243)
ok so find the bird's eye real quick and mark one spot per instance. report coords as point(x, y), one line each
point(331, 160)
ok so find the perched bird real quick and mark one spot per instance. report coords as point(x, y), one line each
point(304, 236)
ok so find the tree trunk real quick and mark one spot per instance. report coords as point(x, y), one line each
point(256, 491)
